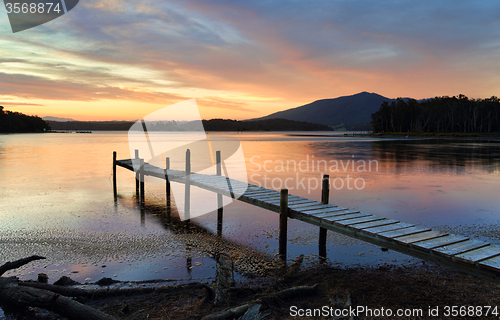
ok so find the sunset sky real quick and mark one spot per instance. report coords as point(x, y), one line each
point(121, 60)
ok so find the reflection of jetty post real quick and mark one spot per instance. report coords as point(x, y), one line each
point(325, 194)
point(141, 175)
point(137, 177)
point(115, 193)
point(283, 223)
point(187, 185)
point(167, 167)
point(189, 260)
point(219, 196)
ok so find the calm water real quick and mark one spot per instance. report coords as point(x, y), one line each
point(57, 201)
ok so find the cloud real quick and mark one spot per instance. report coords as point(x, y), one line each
point(16, 104)
point(31, 87)
point(215, 102)
point(290, 51)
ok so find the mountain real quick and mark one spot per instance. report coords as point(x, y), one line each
point(348, 112)
point(50, 118)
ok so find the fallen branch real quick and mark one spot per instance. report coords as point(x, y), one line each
point(229, 314)
point(13, 294)
point(268, 300)
point(100, 293)
point(23, 296)
point(18, 263)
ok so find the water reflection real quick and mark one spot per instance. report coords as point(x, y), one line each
point(194, 235)
point(440, 154)
point(56, 192)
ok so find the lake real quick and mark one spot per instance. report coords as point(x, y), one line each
point(57, 201)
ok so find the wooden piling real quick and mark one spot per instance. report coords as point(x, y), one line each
point(141, 177)
point(283, 223)
point(115, 192)
point(137, 177)
point(187, 190)
point(218, 163)
point(325, 194)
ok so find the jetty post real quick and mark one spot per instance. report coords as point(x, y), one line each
point(137, 176)
point(187, 185)
point(325, 195)
point(283, 223)
point(167, 183)
point(115, 192)
point(219, 196)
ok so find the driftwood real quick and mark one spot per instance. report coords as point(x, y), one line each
point(18, 263)
point(103, 293)
point(253, 313)
point(268, 300)
point(23, 296)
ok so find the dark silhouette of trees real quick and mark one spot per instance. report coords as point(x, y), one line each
point(441, 114)
point(275, 124)
point(208, 125)
point(16, 122)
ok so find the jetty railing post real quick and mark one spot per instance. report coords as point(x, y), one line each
point(167, 167)
point(219, 196)
point(141, 176)
point(187, 190)
point(115, 193)
point(283, 223)
point(325, 195)
point(137, 177)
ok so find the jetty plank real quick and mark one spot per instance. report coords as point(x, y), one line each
point(402, 232)
point(360, 220)
point(296, 201)
point(460, 247)
point(298, 209)
point(389, 227)
point(346, 216)
point(491, 264)
point(377, 223)
point(439, 242)
point(332, 212)
point(428, 235)
point(479, 254)
point(321, 210)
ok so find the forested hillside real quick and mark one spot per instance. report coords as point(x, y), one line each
point(16, 122)
point(440, 114)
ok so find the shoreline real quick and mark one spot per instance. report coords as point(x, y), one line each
point(419, 286)
point(388, 286)
point(433, 135)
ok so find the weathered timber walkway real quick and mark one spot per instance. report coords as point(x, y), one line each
point(468, 255)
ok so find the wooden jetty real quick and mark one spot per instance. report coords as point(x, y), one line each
point(459, 252)
point(355, 134)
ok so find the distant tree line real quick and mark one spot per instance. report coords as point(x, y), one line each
point(16, 122)
point(263, 125)
point(441, 114)
point(90, 125)
point(208, 125)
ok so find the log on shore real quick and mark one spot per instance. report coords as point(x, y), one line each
point(13, 294)
point(22, 296)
